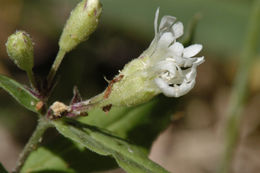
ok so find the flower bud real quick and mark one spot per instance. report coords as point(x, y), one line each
point(19, 47)
point(82, 22)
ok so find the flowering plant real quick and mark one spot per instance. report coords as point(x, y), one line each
point(165, 67)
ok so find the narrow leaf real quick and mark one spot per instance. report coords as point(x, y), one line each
point(129, 157)
point(62, 155)
point(44, 160)
point(150, 119)
point(140, 124)
point(19, 93)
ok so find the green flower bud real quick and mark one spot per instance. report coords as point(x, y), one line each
point(82, 22)
point(19, 47)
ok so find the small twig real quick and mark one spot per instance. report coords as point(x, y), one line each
point(33, 142)
point(239, 92)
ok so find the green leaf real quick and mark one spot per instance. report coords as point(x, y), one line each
point(19, 93)
point(128, 156)
point(43, 158)
point(149, 118)
point(140, 124)
point(2, 169)
point(62, 155)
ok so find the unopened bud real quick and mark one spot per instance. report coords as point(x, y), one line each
point(19, 47)
point(82, 22)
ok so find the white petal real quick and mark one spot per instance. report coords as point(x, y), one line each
point(177, 48)
point(188, 62)
point(184, 88)
point(166, 22)
point(190, 74)
point(199, 61)
point(165, 66)
point(164, 87)
point(179, 60)
point(165, 40)
point(156, 20)
point(177, 29)
point(175, 91)
point(192, 50)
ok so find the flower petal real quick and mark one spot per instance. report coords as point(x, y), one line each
point(199, 61)
point(188, 62)
point(190, 74)
point(184, 88)
point(192, 50)
point(177, 29)
point(176, 49)
point(164, 87)
point(175, 91)
point(166, 23)
point(165, 66)
point(165, 40)
point(156, 20)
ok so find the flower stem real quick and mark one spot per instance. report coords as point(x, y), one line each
point(33, 142)
point(239, 91)
point(55, 66)
point(31, 78)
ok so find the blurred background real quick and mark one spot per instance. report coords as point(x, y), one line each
point(194, 140)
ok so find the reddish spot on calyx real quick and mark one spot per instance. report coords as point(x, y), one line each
point(39, 105)
point(107, 108)
point(110, 85)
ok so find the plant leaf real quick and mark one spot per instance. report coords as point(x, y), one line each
point(62, 155)
point(149, 119)
point(47, 160)
point(19, 93)
point(2, 169)
point(128, 156)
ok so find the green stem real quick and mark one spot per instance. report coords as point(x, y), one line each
point(239, 91)
point(55, 66)
point(31, 78)
point(33, 142)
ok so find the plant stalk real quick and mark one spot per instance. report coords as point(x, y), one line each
point(31, 78)
point(240, 88)
point(33, 142)
point(55, 66)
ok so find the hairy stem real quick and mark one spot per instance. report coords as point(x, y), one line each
point(239, 92)
point(55, 66)
point(33, 142)
point(31, 78)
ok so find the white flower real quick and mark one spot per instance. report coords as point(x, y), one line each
point(173, 65)
point(165, 67)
